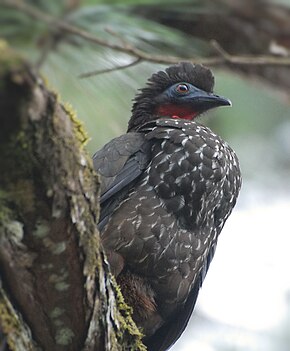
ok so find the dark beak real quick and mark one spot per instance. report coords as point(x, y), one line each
point(202, 100)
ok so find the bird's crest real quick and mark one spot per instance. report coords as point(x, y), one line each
point(197, 75)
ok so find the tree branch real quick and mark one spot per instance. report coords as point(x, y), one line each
point(108, 70)
point(262, 60)
point(222, 57)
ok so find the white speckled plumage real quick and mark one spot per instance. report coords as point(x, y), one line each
point(171, 186)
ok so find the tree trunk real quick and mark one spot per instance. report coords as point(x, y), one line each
point(56, 292)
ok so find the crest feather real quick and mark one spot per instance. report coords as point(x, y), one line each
point(186, 72)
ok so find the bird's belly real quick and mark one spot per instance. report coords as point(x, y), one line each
point(154, 245)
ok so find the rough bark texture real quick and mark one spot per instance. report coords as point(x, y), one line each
point(55, 292)
point(240, 27)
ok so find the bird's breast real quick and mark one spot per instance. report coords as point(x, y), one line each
point(187, 172)
point(167, 224)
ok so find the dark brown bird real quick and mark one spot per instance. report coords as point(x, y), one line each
point(168, 186)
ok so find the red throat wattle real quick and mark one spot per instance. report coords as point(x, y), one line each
point(176, 111)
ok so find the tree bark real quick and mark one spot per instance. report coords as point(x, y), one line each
point(56, 292)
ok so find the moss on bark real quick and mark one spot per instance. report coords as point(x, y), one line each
point(56, 292)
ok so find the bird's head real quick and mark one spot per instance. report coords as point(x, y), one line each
point(181, 91)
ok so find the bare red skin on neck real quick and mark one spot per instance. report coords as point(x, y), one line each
point(176, 111)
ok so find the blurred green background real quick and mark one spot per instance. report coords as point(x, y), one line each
point(245, 301)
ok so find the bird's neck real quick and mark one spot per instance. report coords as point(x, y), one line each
point(146, 111)
point(176, 111)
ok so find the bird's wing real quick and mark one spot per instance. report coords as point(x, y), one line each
point(119, 164)
point(170, 332)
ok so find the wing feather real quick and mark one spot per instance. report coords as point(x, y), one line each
point(119, 164)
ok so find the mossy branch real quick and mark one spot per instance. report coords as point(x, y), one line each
point(56, 292)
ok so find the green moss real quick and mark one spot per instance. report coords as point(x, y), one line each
point(91, 261)
point(47, 266)
point(64, 336)
point(21, 140)
point(17, 333)
point(80, 132)
point(58, 323)
point(8, 322)
point(16, 229)
point(5, 212)
point(9, 60)
point(61, 286)
point(41, 229)
point(59, 281)
point(56, 312)
point(127, 325)
point(59, 248)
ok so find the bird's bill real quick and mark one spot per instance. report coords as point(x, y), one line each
point(203, 100)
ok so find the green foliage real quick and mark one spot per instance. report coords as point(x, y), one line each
point(17, 27)
point(25, 32)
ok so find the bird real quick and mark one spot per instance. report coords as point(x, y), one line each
point(167, 187)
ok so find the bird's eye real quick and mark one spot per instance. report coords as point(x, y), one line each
point(182, 88)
